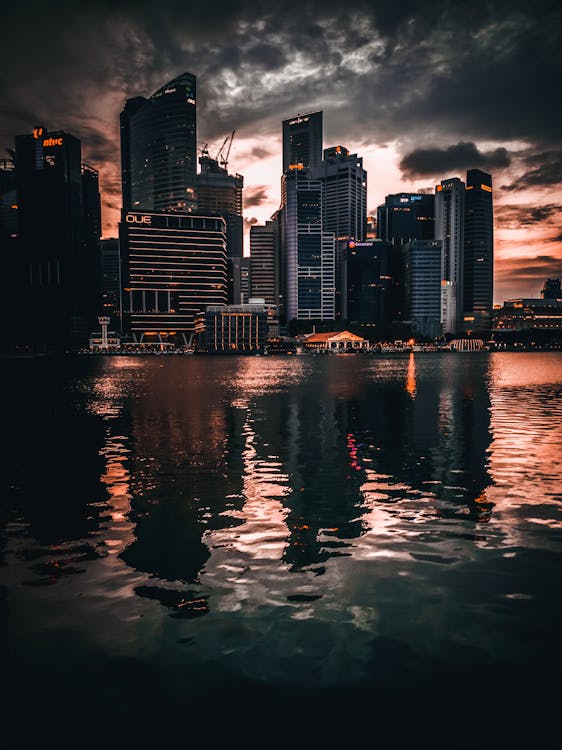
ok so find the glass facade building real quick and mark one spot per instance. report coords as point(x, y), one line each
point(302, 141)
point(422, 262)
point(478, 251)
point(309, 251)
point(449, 230)
point(159, 148)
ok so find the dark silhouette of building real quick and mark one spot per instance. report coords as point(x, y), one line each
point(9, 254)
point(92, 233)
point(551, 289)
point(422, 262)
point(159, 148)
point(264, 259)
point(368, 282)
point(59, 221)
point(302, 141)
point(478, 272)
point(111, 286)
point(402, 218)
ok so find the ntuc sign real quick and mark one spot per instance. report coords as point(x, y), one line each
point(138, 219)
point(52, 142)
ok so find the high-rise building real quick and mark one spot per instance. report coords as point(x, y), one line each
point(368, 282)
point(302, 141)
point(449, 230)
point(404, 217)
point(9, 255)
point(219, 192)
point(422, 262)
point(309, 252)
point(176, 266)
point(159, 149)
point(478, 252)
point(551, 289)
point(92, 233)
point(264, 259)
point(58, 215)
point(111, 286)
point(344, 209)
point(238, 280)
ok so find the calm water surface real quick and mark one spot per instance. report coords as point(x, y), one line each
point(299, 536)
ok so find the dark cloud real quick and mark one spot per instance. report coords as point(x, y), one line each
point(458, 157)
point(482, 75)
point(538, 267)
point(513, 216)
point(256, 195)
point(546, 171)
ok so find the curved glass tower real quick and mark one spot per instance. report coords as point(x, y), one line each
point(161, 140)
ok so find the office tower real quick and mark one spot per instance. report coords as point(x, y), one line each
point(176, 266)
point(220, 193)
point(92, 233)
point(368, 282)
point(422, 262)
point(551, 289)
point(58, 219)
point(309, 251)
point(9, 256)
point(406, 216)
point(302, 141)
point(111, 281)
point(478, 252)
point(264, 253)
point(449, 229)
point(158, 142)
point(403, 217)
point(344, 209)
point(238, 280)
point(131, 107)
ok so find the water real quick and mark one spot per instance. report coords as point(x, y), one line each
point(296, 536)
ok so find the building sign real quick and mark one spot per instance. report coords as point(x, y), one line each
point(138, 219)
point(39, 133)
point(352, 243)
point(52, 142)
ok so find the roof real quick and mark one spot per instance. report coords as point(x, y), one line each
point(317, 338)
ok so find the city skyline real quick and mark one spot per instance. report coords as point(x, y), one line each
point(421, 96)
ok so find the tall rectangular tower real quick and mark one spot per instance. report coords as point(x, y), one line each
point(302, 140)
point(344, 210)
point(264, 253)
point(309, 251)
point(449, 230)
point(478, 251)
point(56, 234)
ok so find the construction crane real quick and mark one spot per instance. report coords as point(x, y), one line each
point(223, 160)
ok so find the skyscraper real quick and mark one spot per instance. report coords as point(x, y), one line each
point(552, 289)
point(478, 251)
point(159, 148)
point(309, 251)
point(402, 218)
point(449, 229)
point(422, 261)
point(344, 209)
point(219, 192)
point(9, 257)
point(58, 215)
point(264, 262)
point(302, 141)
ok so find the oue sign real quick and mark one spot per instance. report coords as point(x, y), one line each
point(135, 219)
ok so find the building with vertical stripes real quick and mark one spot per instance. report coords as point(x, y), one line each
point(478, 252)
point(449, 229)
point(176, 267)
point(309, 250)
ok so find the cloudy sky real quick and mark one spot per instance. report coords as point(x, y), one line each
point(421, 91)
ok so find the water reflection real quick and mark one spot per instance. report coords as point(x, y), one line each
point(287, 519)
